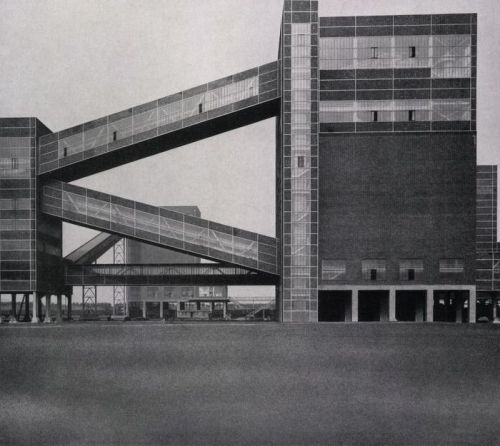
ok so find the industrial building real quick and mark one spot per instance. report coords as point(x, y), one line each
point(375, 179)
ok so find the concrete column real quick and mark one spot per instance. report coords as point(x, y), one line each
point(69, 298)
point(144, 309)
point(36, 307)
point(429, 307)
point(59, 308)
point(472, 306)
point(13, 309)
point(392, 305)
point(161, 310)
point(224, 310)
point(354, 305)
point(47, 319)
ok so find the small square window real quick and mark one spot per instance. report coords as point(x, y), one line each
point(374, 52)
point(300, 161)
point(412, 52)
point(374, 115)
point(411, 115)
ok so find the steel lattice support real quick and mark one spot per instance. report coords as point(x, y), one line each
point(120, 304)
point(89, 300)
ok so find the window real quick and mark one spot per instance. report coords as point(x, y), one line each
point(411, 115)
point(412, 52)
point(300, 161)
point(200, 108)
point(374, 115)
point(333, 269)
point(115, 135)
point(65, 151)
point(411, 269)
point(374, 52)
point(373, 269)
point(451, 266)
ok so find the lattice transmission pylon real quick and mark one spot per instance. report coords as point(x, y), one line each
point(120, 304)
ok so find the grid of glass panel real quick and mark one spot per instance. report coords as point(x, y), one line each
point(257, 251)
point(100, 274)
point(373, 269)
point(299, 121)
point(333, 269)
point(160, 116)
point(396, 110)
point(17, 206)
point(411, 269)
point(451, 266)
point(448, 56)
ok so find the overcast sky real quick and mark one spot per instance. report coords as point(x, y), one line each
point(71, 61)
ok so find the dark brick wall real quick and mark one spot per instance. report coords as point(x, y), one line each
point(398, 196)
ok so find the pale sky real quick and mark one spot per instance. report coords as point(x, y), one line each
point(71, 61)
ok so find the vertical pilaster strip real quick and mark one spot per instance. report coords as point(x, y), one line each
point(299, 161)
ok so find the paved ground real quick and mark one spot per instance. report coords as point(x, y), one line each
point(147, 383)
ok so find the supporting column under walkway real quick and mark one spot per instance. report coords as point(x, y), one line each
point(47, 319)
point(59, 309)
point(69, 299)
point(13, 309)
point(36, 307)
point(144, 309)
point(161, 310)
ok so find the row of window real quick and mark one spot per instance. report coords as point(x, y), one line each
point(159, 116)
point(375, 269)
point(395, 110)
point(440, 53)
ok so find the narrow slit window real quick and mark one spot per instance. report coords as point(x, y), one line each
point(411, 274)
point(411, 115)
point(374, 114)
point(412, 52)
point(115, 135)
point(373, 274)
point(200, 108)
point(300, 161)
point(65, 151)
point(374, 52)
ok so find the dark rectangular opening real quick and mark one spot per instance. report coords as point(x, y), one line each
point(300, 161)
point(410, 305)
point(65, 151)
point(412, 51)
point(411, 115)
point(373, 274)
point(411, 274)
point(334, 306)
point(200, 108)
point(374, 115)
point(115, 135)
point(373, 305)
point(374, 52)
